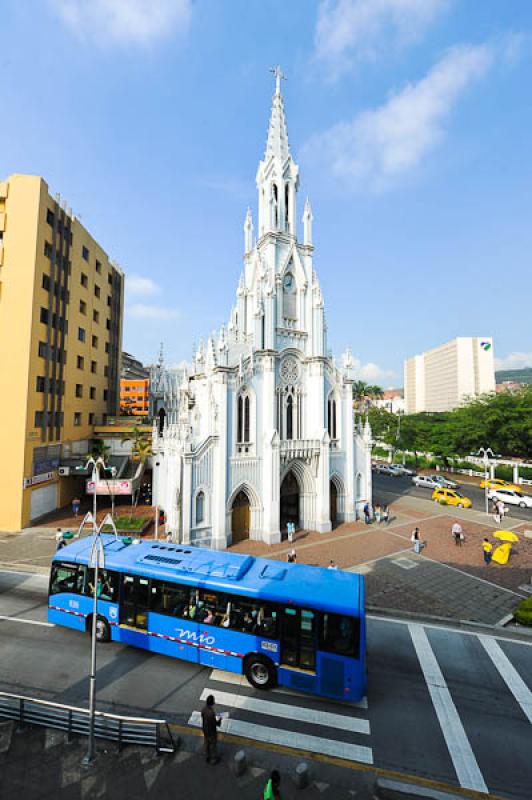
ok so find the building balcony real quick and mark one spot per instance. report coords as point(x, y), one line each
point(299, 448)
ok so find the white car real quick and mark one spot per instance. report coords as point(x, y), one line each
point(426, 482)
point(402, 470)
point(445, 482)
point(386, 469)
point(511, 497)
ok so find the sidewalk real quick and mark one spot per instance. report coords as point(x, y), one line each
point(41, 764)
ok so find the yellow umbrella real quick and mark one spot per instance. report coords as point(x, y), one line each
point(506, 536)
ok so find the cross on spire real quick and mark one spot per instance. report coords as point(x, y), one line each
point(277, 71)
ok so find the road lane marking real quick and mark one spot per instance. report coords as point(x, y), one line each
point(509, 674)
point(299, 741)
point(27, 621)
point(241, 680)
point(463, 758)
point(314, 717)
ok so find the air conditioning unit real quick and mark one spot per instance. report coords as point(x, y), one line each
point(64, 471)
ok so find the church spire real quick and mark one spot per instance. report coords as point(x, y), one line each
point(277, 144)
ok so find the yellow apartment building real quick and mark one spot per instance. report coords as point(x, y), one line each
point(61, 310)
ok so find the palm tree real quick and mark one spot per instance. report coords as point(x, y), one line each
point(374, 391)
point(140, 452)
point(359, 395)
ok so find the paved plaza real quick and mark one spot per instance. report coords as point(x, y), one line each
point(445, 580)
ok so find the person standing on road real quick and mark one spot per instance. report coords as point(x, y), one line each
point(501, 510)
point(59, 540)
point(457, 534)
point(271, 792)
point(210, 724)
point(488, 550)
point(386, 515)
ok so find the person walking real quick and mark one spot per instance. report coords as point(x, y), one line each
point(367, 513)
point(501, 510)
point(271, 791)
point(59, 540)
point(75, 506)
point(332, 565)
point(291, 556)
point(378, 513)
point(210, 724)
point(495, 510)
point(416, 541)
point(487, 547)
point(386, 515)
point(457, 534)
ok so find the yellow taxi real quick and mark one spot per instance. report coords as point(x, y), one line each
point(451, 497)
point(497, 483)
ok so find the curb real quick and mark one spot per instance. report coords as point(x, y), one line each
point(386, 789)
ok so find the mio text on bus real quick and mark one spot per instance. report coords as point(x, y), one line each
point(289, 624)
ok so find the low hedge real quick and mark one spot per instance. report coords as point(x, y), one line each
point(523, 612)
point(127, 524)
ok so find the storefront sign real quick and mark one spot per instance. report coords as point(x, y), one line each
point(110, 487)
point(35, 479)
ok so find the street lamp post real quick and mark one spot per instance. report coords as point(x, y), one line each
point(486, 452)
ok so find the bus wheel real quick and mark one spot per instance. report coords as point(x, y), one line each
point(103, 633)
point(260, 672)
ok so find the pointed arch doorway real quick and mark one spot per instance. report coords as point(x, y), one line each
point(333, 503)
point(240, 518)
point(289, 500)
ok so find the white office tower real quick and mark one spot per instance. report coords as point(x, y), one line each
point(258, 430)
point(443, 378)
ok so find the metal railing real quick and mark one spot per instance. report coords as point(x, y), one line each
point(75, 721)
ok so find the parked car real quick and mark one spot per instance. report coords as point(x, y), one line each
point(498, 483)
point(511, 497)
point(451, 497)
point(426, 482)
point(386, 469)
point(402, 470)
point(443, 480)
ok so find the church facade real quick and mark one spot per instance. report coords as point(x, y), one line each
point(258, 430)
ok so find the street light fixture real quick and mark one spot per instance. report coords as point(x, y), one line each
point(486, 453)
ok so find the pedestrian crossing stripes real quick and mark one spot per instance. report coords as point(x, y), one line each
point(509, 674)
point(298, 741)
point(236, 696)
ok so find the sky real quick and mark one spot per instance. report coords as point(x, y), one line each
point(410, 120)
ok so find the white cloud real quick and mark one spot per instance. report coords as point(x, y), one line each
point(124, 22)
point(370, 372)
point(144, 311)
point(514, 360)
point(349, 30)
point(383, 143)
point(135, 284)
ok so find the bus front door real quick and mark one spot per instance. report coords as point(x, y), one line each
point(134, 610)
point(298, 639)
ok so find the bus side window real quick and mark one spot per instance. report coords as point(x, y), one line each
point(107, 585)
point(258, 617)
point(340, 634)
point(169, 598)
point(66, 578)
point(213, 608)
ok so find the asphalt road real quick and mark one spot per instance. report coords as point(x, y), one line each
point(442, 704)
point(403, 486)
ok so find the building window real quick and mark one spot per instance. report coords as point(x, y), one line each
point(85, 253)
point(106, 371)
point(95, 316)
point(91, 418)
point(43, 349)
point(200, 507)
point(107, 347)
point(44, 316)
point(331, 417)
point(98, 267)
point(243, 418)
point(93, 367)
point(84, 280)
point(77, 418)
point(46, 282)
point(105, 393)
point(81, 334)
point(82, 307)
point(95, 341)
point(110, 279)
point(92, 393)
point(40, 383)
point(79, 390)
point(80, 362)
point(50, 217)
point(39, 418)
point(96, 290)
point(289, 417)
point(47, 249)
point(109, 300)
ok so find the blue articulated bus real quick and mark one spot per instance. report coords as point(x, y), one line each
point(276, 623)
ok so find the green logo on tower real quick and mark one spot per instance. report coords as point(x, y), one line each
point(486, 345)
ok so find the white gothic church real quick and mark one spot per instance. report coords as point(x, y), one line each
point(258, 430)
